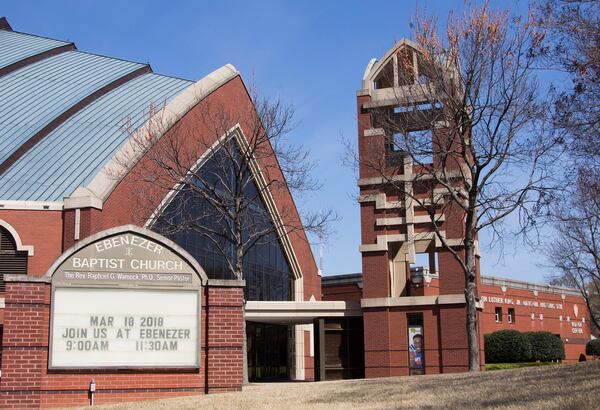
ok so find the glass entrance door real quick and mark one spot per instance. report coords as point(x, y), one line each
point(267, 352)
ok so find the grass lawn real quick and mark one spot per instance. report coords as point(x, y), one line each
point(505, 366)
point(568, 386)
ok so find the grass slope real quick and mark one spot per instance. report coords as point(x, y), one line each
point(570, 386)
point(505, 366)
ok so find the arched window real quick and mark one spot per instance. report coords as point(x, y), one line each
point(11, 259)
point(194, 224)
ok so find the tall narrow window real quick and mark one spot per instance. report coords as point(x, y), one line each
point(511, 315)
point(498, 315)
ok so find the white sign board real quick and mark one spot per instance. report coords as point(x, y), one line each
point(104, 327)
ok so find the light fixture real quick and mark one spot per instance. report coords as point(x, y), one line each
point(416, 276)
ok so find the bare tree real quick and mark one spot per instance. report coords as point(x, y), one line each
point(575, 250)
point(466, 123)
point(573, 48)
point(224, 174)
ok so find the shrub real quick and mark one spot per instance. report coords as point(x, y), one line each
point(592, 348)
point(505, 366)
point(506, 346)
point(545, 347)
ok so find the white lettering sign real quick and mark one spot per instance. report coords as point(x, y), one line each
point(128, 241)
point(519, 302)
point(124, 328)
point(577, 327)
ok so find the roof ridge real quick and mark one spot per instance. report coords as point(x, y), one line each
point(116, 58)
point(90, 52)
point(45, 38)
point(173, 76)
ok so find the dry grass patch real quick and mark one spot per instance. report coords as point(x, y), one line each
point(571, 386)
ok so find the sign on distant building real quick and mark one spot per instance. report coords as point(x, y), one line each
point(125, 301)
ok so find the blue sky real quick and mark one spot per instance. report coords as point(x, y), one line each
point(312, 54)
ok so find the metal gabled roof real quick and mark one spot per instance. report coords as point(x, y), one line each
point(33, 96)
point(15, 46)
point(72, 154)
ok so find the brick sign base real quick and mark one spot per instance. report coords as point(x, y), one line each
point(28, 383)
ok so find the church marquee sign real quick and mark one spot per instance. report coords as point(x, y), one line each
point(125, 298)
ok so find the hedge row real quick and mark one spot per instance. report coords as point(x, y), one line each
point(593, 348)
point(512, 346)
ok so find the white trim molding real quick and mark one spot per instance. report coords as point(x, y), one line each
point(453, 299)
point(107, 179)
point(419, 219)
point(18, 243)
point(381, 201)
point(408, 177)
point(82, 198)
point(294, 312)
point(373, 132)
point(382, 243)
point(267, 196)
point(32, 205)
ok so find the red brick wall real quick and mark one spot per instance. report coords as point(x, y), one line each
point(378, 362)
point(350, 292)
point(224, 339)
point(90, 223)
point(43, 230)
point(386, 340)
point(550, 305)
point(376, 276)
point(452, 276)
point(309, 361)
point(27, 383)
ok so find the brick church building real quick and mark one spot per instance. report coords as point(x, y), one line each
point(99, 305)
point(69, 119)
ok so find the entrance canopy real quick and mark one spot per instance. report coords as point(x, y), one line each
point(292, 312)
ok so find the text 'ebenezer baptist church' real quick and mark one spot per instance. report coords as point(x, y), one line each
point(96, 305)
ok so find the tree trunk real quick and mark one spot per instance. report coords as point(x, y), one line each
point(470, 293)
point(245, 380)
point(472, 333)
point(239, 273)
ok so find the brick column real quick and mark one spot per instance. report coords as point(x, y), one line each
point(223, 328)
point(25, 341)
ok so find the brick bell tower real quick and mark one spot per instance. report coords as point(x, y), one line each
point(413, 288)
